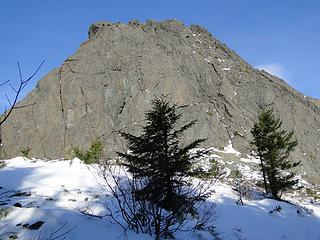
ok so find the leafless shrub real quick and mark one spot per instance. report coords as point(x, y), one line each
point(142, 216)
point(240, 186)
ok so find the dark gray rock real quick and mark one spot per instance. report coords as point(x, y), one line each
point(17, 205)
point(108, 83)
point(36, 225)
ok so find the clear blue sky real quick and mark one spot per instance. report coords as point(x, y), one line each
point(282, 36)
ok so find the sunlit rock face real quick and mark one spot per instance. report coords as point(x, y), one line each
point(107, 86)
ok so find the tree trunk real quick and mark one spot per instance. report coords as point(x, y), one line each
point(264, 177)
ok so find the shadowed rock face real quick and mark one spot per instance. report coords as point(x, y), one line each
point(108, 83)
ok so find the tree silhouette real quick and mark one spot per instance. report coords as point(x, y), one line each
point(161, 189)
point(273, 147)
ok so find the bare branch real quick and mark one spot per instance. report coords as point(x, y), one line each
point(20, 73)
point(13, 88)
point(10, 104)
point(52, 237)
point(87, 213)
point(59, 229)
point(2, 227)
point(18, 91)
point(27, 105)
point(4, 83)
point(35, 72)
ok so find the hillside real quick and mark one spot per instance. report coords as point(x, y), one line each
point(107, 85)
point(55, 192)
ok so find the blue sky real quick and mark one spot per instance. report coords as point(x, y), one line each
point(281, 36)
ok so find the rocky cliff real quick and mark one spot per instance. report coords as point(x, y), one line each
point(108, 83)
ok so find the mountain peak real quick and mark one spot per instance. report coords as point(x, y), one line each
point(107, 85)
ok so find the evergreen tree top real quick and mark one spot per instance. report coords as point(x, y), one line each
point(158, 148)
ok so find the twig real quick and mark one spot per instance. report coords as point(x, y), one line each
point(85, 212)
point(22, 85)
point(3, 226)
point(4, 83)
point(61, 235)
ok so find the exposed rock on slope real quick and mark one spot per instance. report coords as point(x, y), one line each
point(108, 83)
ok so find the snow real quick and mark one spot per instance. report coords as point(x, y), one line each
point(253, 221)
point(227, 149)
point(230, 149)
point(249, 173)
point(60, 188)
point(250, 159)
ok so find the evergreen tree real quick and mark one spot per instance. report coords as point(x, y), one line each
point(273, 147)
point(157, 159)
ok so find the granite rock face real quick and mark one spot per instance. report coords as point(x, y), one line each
point(108, 83)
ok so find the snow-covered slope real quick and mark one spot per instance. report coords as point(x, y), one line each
point(53, 192)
